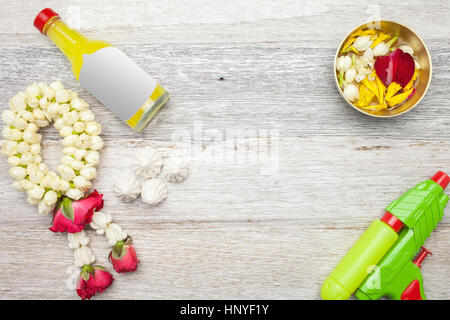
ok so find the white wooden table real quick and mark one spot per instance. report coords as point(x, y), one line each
point(247, 223)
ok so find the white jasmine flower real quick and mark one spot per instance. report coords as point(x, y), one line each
point(69, 150)
point(66, 172)
point(362, 43)
point(75, 194)
point(36, 193)
point(87, 116)
point(50, 198)
point(43, 103)
point(28, 116)
point(57, 85)
point(67, 160)
point(44, 209)
point(79, 104)
point(77, 165)
point(18, 185)
point(17, 103)
point(8, 116)
point(73, 95)
point(9, 148)
point(66, 131)
point(59, 124)
point(35, 175)
point(78, 126)
point(351, 92)
point(63, 109)
point(96, 143)
point(26, 159)
point(17, 173)
point(19, 123)
point(62, 95)
point(89, 173)
point(82, 183)
point(368, 55)
point(43, 168)
point(26, 184)
point(84, 142)
point(53, 110)
point(49, 92)
point(23, 147)
point(33, 90)
point(37, 159)
point(14, 161)
point(12, 134)
point(32, 102)
point(35, 148)
point(42, 123)
point(70, 141)
point(70, 117)
point(31, 127)
point(80, 154)
point(93, 128)
point(38, 114)
point(32, 201)
point(380, 49)
point(93, 157)
point(47, 181)
point(350, 75)
point(343, 63)
point(31, 137)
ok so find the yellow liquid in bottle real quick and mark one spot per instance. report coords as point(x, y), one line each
point(74, 45)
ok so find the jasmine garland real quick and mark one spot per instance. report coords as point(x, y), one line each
point(64, 194)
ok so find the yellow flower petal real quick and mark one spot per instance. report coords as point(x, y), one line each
point(411, 82)
point(399, 98)
point(381, 37)
point(377, 107)
point(381, 90)
point(365, 96)
point(348, 43)
point(354, 50)
point(393, 88)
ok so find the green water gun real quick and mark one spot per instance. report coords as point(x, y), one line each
point(386, 260)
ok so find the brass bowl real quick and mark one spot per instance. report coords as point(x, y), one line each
point(410, 38)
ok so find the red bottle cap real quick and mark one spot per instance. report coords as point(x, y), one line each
point(42, 18)
point(441, 178)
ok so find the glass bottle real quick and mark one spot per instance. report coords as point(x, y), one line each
point(106, 72)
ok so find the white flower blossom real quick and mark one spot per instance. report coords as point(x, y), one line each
point(82, 183)
point(67, 173)
point(96, 143)
point(8, 116)
point(407, 49)
point(79, 154)
point(343, 63)
point(79, 104)
point(33, 90)
point(77, 165)
point(89, 173)
point(14, 161)
point(380, 49)
point(93, 157)
point(18, 173)
point(70, 141)
point(350, 75)
point(87, 116)
point(23, 147)
point(63, 109)
point(84, 142)
point(35, 148)
point(36, 193)
point(93, 128)
point(362, 43)
point(62, 95)
point(66, 131)
point(75, 194)
point(44, 208)
point(50, 198)
point(18, 103)
point(9, 148)
point(351, 92)
point(59, 124)
point(70, 118)
point(49, 92)
point(19, 123)
point(78, 126)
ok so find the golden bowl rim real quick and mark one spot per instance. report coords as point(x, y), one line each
point(336, 80)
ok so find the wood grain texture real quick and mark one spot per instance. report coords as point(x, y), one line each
point(285, 176)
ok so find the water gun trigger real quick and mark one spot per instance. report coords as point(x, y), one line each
point(412, 292)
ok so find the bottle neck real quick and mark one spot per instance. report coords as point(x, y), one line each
point(65, 38)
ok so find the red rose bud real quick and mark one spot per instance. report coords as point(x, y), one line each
point(93, 279)
point(123, 257)
point(72, 216)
